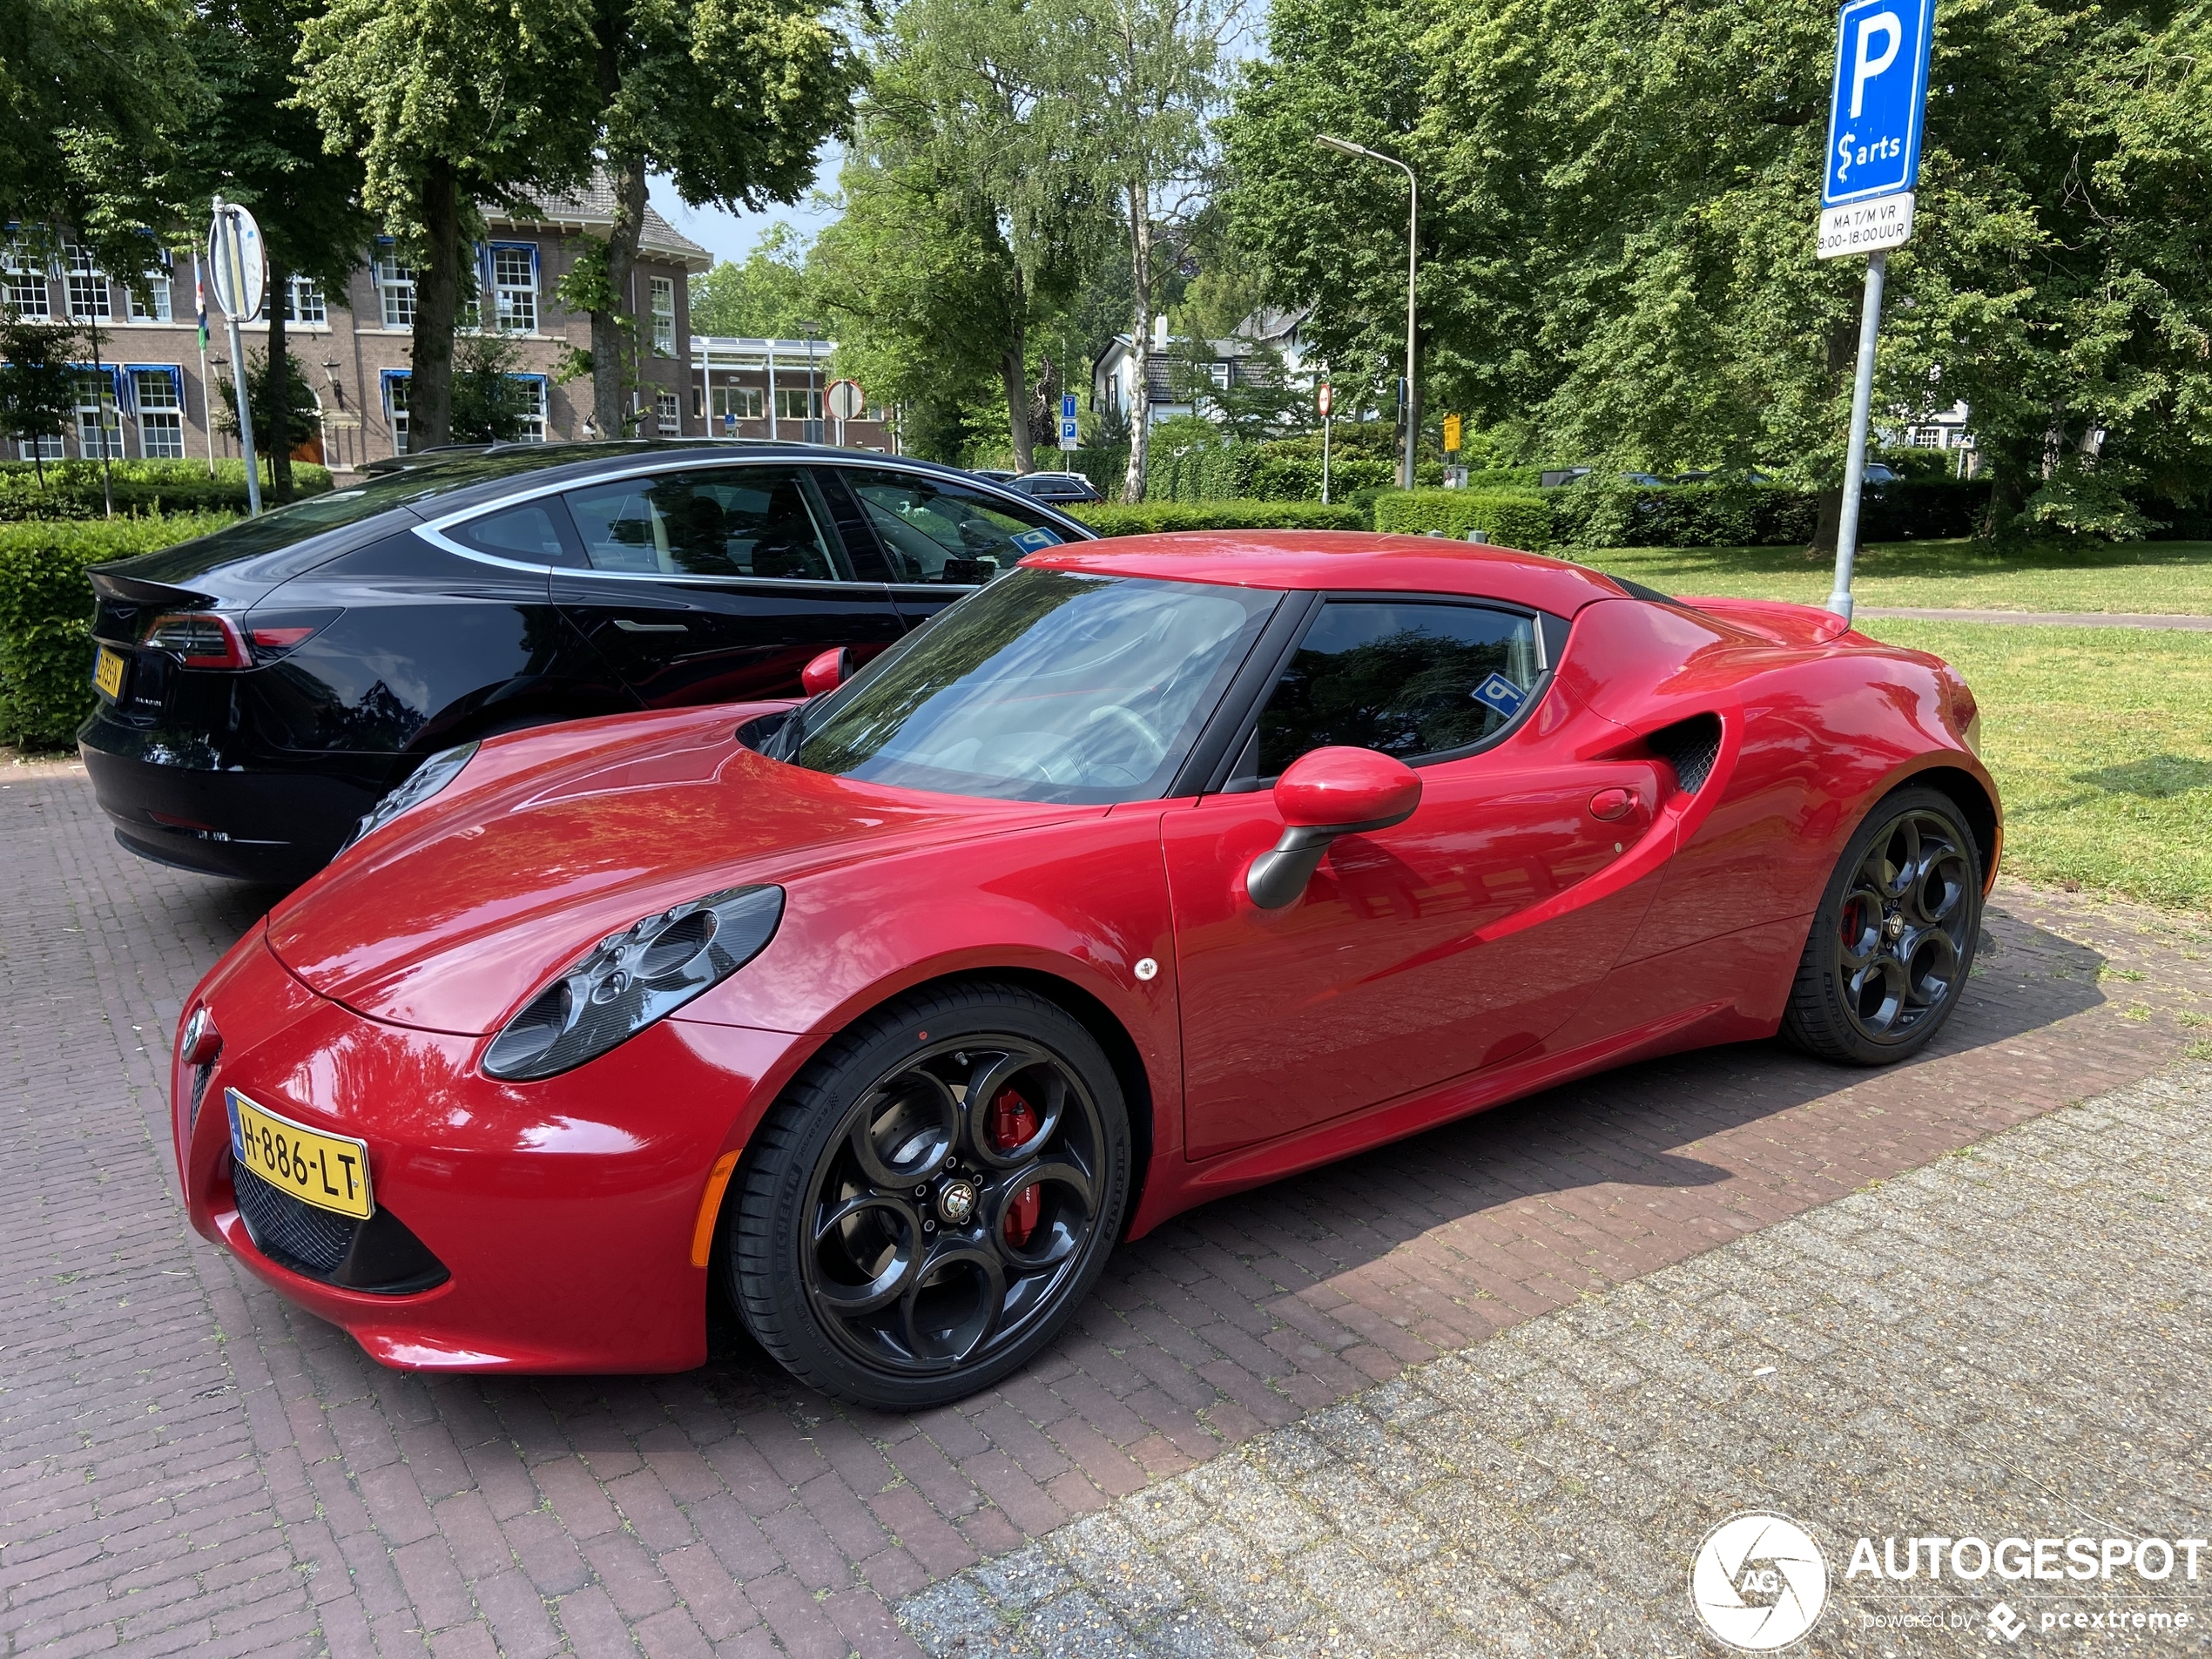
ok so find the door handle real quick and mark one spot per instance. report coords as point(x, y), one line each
point(629, 627)
point(1609, 804)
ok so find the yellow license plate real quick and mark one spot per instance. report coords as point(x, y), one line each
point(329, 1171)
point(107, 674)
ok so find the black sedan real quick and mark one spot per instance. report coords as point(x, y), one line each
point(261, 688)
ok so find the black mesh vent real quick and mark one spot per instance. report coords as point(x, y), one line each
point(200, 1077)
point(1690, 747)
point(290, 1233)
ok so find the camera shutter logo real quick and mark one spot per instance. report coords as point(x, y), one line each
point(1758, 1582)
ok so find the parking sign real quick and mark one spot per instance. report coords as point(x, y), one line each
point(1881, 91)
point(1068, 439)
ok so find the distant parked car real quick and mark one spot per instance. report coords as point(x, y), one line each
point(1057, 487)
point(1879, 473)
point(1555, 476)
point(1708, 475)
point(1645, 481)
point(996, 475)
point(262, 688)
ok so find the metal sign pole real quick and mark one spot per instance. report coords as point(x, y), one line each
point(232, 258)
point(1862, 399)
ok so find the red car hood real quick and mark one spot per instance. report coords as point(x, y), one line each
point(450, 917)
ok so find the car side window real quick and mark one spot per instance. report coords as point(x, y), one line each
point(529, 534)
point(933, 531)
point(766, 522)
point(1408, 677)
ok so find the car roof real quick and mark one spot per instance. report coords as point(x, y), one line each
point(1343, 561)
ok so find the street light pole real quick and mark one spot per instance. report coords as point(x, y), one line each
point(1413, 255)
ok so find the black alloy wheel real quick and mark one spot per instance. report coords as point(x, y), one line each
point(927, 1204)
point(1893, 941)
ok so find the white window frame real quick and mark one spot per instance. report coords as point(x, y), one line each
point(1219, 374)
point(305, 304)
point(746, 402)
point(157, 289)
point(394, 291)
point(664, 289)
point(514, 293)
point(161, 416)
point(91, 298)
point(793, 401)
point(28, 284)
point(95, 411)
point(668, 413)
point(395, 392)
point(534, 422)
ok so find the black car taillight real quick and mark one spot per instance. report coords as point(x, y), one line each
point(198, 639)
point(272, 634)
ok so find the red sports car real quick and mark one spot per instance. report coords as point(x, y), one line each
point(1155, 869)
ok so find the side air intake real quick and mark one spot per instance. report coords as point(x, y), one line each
point(1690, 747)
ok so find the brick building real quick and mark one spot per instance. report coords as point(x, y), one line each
point(356, 348)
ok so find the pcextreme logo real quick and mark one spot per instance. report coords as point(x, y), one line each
point(1758, 1582)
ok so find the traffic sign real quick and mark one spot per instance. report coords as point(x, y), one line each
point(845, 400)
point(1323, 396)
point(1451, 433)
point(1066, 406)
point(237, 261)
point(1880, 96)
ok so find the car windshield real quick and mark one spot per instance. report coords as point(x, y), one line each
point(1047, 685)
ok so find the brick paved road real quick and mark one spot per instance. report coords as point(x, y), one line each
point(186, 1463)
point(2013, 1341)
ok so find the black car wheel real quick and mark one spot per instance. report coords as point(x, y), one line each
point(1893, 941)
point(927, 1204)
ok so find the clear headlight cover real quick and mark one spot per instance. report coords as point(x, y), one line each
point(633, 978)
point(423, 782)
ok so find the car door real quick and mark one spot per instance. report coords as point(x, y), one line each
point(717, 584)
point(1419, 953)
point(940, 538)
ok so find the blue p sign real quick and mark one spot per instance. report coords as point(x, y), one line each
point(1880, 94)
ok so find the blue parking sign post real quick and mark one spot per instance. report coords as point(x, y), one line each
point(1067, 421)
point(1875, 111)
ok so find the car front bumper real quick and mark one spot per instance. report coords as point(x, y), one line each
point(559, 1216)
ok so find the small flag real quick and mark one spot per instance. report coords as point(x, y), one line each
point(200, 300)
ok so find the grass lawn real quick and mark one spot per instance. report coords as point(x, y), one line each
point(2101, 740)
point(2153, 577)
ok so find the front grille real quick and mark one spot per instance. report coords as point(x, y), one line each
point(290, 1233)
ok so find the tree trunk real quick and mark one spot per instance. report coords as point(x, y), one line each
point(1830, 524)
point(1140, 403)
point(278, 441)
point(615, 345)
point(1015, 377)
point(2006, 496)
point(437, 309)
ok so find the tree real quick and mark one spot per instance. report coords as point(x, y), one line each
point(730, 98)
point(282, 403)
point(1620, 254)
point(970, 217)
point(1146, 75)
point(92, 94)
point(38, 384)
point(449, 104)
point(764, 298)
point(490, 403)
point(258, 145)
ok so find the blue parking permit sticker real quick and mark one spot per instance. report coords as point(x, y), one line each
point(1498, 692)
point(1036, 541)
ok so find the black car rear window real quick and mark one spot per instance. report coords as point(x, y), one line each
point(283, 526)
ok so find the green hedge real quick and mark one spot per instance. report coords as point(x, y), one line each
point(71, 489)
point(1519, 518)
point(45, 613)
point(1146, 518)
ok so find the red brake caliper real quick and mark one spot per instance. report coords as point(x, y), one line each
point(1014, 1121)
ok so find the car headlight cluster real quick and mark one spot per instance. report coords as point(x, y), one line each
point(423, 782)
point(633, 978)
